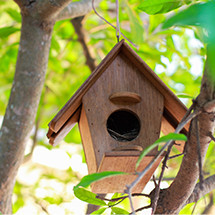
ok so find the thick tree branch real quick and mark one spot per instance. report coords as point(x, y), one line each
point(56, 9)
point(38, 18)
point(22, 107)
point(76, 9)
point(174, 198)
point(207, 187)
point(42, 9)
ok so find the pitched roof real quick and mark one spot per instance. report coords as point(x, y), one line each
point(174, 109)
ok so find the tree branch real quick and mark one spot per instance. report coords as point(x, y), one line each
point(76, 22)
point(43, 9)
point(22, 107)
point(176, 195)
point(56, 9)
point(207, 187)
point(210, 205)
point(76, 9)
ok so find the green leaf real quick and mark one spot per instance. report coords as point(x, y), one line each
point(88, 196)
point(89, 179)
point(14, 14)
point(166, 138)
point(155, 21)
point(185, 96)
point(136, 28)
point(160, 6)
point(117, 210)
point(195, 15)
point(7, 31)
point(99, 211)
point(202, 15)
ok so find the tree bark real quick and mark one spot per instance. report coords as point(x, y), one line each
point(174, 198)
point(22, 107)
point(198, 192)
point(38, 18)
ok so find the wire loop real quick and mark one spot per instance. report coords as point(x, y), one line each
point(117, 29)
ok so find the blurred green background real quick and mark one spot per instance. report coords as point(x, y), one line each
point(45, 180)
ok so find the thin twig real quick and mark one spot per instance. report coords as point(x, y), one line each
point(157, 189)
point(157, 156)
point(201, 178)
point(111, 25)
point(77, 24)
point(187, 118)
point(165, 179)
point(122, 197)
point(154, 180)
point(194, 207)
point(110, 206)
point(112, 200)
point(175, 156)
point(211, 136)
point(140, 209)
point(131, 203)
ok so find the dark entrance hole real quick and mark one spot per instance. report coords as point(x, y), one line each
point(123, 125)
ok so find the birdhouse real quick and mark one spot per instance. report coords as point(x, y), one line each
point(121, 109)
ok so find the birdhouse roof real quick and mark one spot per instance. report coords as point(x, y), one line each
point(174, 109)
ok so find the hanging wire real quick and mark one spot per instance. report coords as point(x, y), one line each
point(112, 25)
point(117, 21)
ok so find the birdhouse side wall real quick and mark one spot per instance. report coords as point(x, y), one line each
point(87, 142)
point(122, 76)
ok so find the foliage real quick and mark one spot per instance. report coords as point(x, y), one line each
point(161, 6)
point(163, 139)
point(89, 179)
point(203, 16)
point(168, 51)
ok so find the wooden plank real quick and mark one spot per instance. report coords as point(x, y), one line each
point(55, 138)
point(167, 128)
point(148, 112)
point(74, 102)
point(173, 123)
point(88, 146)
point(125, 163)
point(169, 125)
point(172, 103)
point(125, 98)
point(49, 133)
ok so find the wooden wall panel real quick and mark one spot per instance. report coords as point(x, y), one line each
point(87, 142)
point(123, 161)
point(122, 76)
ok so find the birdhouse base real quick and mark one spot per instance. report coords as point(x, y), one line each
point(124, 161)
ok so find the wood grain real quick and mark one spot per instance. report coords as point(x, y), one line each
point(123, 161)
point(87, 142)
point(126, 78)
point(125, 98)
point(55, 138)
point(75, 101)
point(172, 103)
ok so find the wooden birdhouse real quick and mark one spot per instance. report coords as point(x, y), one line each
point(121, 109)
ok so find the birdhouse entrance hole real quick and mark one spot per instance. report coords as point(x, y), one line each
point(123, 125)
